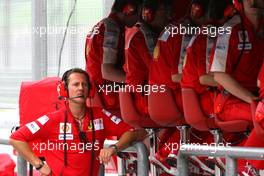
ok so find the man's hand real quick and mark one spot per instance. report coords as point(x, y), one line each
point(105, 155)
point(45, 170)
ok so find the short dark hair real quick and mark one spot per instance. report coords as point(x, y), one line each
point(120, 4)
point(216, 8)
point(155, 4)
point(66, 75)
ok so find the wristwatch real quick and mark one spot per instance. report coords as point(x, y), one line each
point(114, 147)
point(40, 166)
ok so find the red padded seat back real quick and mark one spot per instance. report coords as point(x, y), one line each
point(130, 114)
point(163, 109)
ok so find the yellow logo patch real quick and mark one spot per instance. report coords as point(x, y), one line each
point(156, 52)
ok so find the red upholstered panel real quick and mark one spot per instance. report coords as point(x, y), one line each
point(130, 115)
point(163, 109)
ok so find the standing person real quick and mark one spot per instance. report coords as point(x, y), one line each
point(72, 137)
point(105, 45)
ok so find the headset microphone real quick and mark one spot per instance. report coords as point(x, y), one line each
point(70, 98)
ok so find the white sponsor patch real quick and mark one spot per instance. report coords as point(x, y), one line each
point(98, 124)
point(106, 112)
point(164, 37)
point(33, 127)
point(248, 46)
point(67, 136)
point(42, 120)
point(115, 119)
point(68, 128)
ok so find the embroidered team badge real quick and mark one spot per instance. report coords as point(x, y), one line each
point(68, 128)
point(90, 126)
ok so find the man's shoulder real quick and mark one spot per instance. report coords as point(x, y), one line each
point(111, 24)
point(56, 115)
point(234, 21)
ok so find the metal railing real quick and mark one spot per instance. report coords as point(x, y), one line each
point(142, 158)
point(229, 153)
point(139, 148)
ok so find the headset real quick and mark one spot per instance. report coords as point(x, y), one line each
point(62, 87)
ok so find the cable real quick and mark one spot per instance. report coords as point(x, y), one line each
point(93, 137)
point(65, 34)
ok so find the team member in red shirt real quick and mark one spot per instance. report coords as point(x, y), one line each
point(72, 138)
point(196, 68)
point(233, 67)
point(169, 53)
point(105, 45)
point(139, 47)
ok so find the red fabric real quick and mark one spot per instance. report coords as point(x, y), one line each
point(195, 65)
point(255, 140)
point(247, 70)
point(169, 140)
point(7, 165)
point(137, 65)
point(48, 129)
point(94, 49)
point(94, 54)
point(38, 98)
point(141, 102)
point(234, 109)
point(166, 60)
point(207, 102)
point(245, 73)
point(137, 57)
point(178, 98)
point(261, 79)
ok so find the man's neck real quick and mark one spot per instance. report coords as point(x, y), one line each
point(78, 111)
